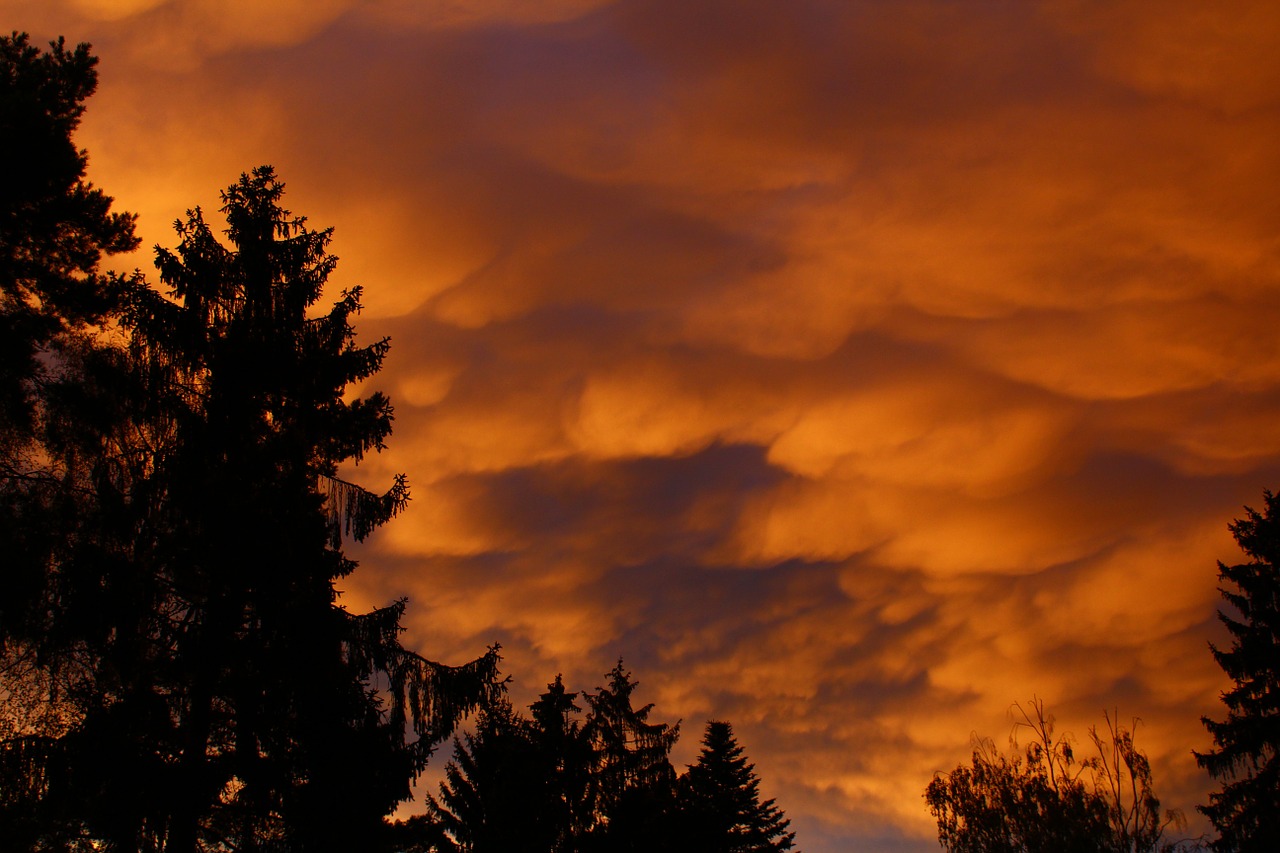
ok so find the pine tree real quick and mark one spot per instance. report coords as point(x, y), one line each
point(1246, 811)
point(720, 798)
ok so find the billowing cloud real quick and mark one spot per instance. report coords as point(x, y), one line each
point(854, 370)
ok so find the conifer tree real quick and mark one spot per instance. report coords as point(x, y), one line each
point(1246, 760)
point(564, 765)
point(55, 228)
point(720, 799)
point(489, 800)
point(224, 678)
point(633, 783)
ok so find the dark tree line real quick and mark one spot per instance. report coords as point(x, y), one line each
point(559, 781)
point(178, 672)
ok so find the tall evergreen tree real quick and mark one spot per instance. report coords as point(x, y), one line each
point(633, 783)
point(54, 226)
point(251, 709)
point(565, 763)
point(720, 799)
point(1246, 760)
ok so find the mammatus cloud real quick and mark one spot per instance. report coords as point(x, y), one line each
point(855, 370)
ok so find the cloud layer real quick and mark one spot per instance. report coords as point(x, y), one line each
point(853, 369)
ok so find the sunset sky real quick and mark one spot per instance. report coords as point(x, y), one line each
point(853, 369)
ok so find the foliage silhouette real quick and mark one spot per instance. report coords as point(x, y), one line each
point(720, 798)
point(632, 780)
point(1246, 760)
point(488, 801)
point(182, 571)
point(564, 772)
point(555, 783)
point(55, 228)
point(1044, 800)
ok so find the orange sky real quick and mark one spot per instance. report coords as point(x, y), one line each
point(853, 369)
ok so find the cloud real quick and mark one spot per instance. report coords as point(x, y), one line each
point(852, 369)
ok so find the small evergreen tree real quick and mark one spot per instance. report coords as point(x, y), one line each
point(1246, 760)
point(720, 799)
point(489, 799)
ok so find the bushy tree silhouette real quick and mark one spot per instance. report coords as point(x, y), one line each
point(55, 228)
point(720, 799)
point(1044, 799)
point(1246, 760)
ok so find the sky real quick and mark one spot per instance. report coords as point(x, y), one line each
point(851, 369)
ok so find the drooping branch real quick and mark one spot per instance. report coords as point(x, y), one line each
point(355, 511)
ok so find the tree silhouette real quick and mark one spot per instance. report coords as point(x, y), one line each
point(1045, 800)
point(54, 226)
point(553, 784)
point(54, 230)
point(564, 766)
point(720, 799)
point(1246, 760)
point(252, 710)
point(633, 782)
point(489, 800)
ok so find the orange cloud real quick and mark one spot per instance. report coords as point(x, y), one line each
point(852, 369)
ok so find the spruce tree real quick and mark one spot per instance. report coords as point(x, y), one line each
point(720, 799)
point(1246, 758)
point(280, 726)
point(564, 766)
point(489, 800)
point(223, 677)
point(632, 781)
